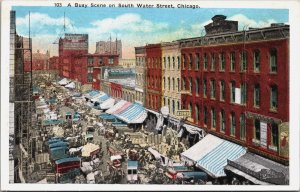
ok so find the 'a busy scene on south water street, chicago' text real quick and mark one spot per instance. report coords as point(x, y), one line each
point(149, 96)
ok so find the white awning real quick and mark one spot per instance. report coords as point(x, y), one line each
point(88, 149)
point(64, 81)
point(155, 153)
point(200, 149)
point(107, 104)
point(115, 157)
point(71, 85)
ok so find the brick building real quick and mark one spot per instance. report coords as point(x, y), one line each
point(53, 63)
point(153, 77)
point(70, 46)
point(236, 84)
point(109, 47)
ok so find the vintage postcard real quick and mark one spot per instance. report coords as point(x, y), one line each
point(150, 95)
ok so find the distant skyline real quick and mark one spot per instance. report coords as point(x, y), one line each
point(134, 26)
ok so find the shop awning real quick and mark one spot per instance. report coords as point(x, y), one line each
point(71, 85)
point(132, 165)
point(117, 107)
point(100, 97)
point(107, 103)
point(106, 116)
point(259, 169)
point(64, 81)
point(135, 113)
point(200, 149)
point(214, 162)
point(91, 94)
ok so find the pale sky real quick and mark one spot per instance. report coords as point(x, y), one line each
point(134, 26)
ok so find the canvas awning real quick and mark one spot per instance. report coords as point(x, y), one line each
point(128, 112)
point(115, 157)
point(107, 103)
point(203, 147)
point(213, 163)
point(259, 170)
point(64, 81)
point(88, 149)
point(101, 98)
point(155, 153)
point(132, 165)
point(71, 85)
point(66, 160)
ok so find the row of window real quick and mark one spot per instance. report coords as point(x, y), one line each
point(235, 92)
point(194, 59)
point(233, 121)
point(175, 105)
point(154, 81)
point(100, 60)
point(153, 101)
point(171, 62)
point(175, 83)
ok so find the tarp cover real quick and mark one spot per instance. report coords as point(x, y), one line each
point(88, 149)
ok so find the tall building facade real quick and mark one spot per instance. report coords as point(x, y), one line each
point(140, 79)
point(153, 76)
point(236, 84)
point(171, 76)
point(40, 61)
point(70, 46)
point(109, 47)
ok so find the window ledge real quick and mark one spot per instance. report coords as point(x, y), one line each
point(256, 142)
point(273, 110)
point(273, 73)
point(273, 148)
point(221, 70)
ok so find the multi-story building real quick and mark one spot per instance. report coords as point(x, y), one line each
point(140, 56)
point(40, 61)
point(53, 63)
point(70, 46)
point(236, 84)
point(116, 90)
point(171, 75)
point(153, 76)
point(109, 47)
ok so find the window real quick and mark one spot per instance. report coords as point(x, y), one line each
point(100, 61)
point(90, 69)
point(256, 95)
point(274, 97)
point(213, 118)
point(169, 103)
point(190, 108)
point(243, 126)
point(178, 84)
point(111, 60)
point(232, 92)
point(190, 61)
point(169, 63)
point(178, 105)
point(222, 120)
point(213, 62)
point(197, 86)
point(164, 59)
point(183, 84)
point(273, 61)
point(222, 62)
point(196, 114)
point(191, 84)
point(90, 60)
point(222, 90)
point(197, 61)
point(274, 141)
point(205, 115)
point(169, 85)
point(232, 61)
point(90, 77)
point(173, 61)
point(205, 61)
point(232, 124)
point(243, 61)
point(173, 83)
point(204, 87)
point(212, 89)
point(256, 60)
point(178, 62)
point(257, 129)
point(243, 93)
point(164, 80)
point(165, 102)
point(184, 61)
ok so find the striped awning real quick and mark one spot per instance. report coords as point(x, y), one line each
point(107, 103)
point(214, 162)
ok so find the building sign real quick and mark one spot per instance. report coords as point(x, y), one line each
point(75, 41)
point(183, 113)
point(237, 95)
point(263, 134)
point(284, 139)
